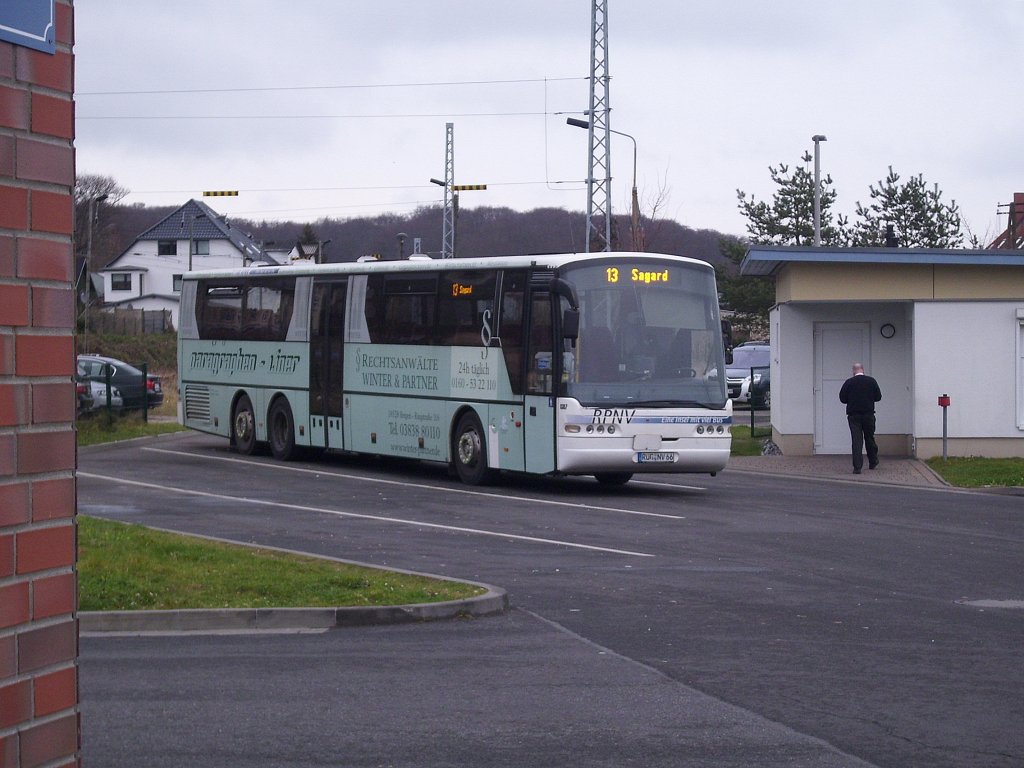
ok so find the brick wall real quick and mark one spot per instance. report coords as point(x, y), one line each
point(38, 627)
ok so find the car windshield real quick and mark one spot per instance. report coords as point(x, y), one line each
point(650, 333)
point(750, 357)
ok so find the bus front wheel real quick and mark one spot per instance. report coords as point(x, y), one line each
point(469, 451)
point(243, 426)
point(281, 430)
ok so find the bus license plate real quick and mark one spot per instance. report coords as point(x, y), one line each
point(656, 457)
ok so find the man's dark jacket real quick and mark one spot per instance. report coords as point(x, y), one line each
point(860, 393)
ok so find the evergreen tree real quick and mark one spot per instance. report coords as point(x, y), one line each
point(917, 214)
point(750, 298)
point(308, 236)
point(789, 218)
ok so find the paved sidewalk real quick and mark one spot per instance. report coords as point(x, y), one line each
point(893, 471)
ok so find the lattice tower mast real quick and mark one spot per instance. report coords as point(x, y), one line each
point(450, 195)
point(599, 171)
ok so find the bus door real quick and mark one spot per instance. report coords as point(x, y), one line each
point(327, 353)
point(539, 400)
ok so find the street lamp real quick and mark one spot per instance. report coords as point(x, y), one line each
point(451, 203)
point(634, 219)
point(88, 263)
point(817, 139)
point(320, 250)
point(401, 245)
point(88, 239)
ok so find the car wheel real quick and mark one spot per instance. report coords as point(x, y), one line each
point(613, 478)
point(766, 401)
point(243, 427)
point(469, 451)
point(281, 430)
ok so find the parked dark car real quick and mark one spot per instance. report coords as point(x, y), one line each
point(134, 387)
point(93, 394)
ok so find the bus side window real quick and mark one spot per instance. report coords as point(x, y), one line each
point(218, 310)
point(373, 308)
point(539, 352)
point(510, 327)
point(409, 309)
point(464, 299)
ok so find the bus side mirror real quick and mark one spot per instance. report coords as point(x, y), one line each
point(562, 288)
point(571, 324)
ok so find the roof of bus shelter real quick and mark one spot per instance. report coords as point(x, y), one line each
point(767, 260)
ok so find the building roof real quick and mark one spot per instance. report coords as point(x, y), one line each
point(767, 260)
point(199, 221)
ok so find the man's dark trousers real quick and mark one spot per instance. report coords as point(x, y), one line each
point(862, 433)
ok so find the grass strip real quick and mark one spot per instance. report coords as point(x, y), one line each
point(745, 445)
point(123, 567)
point(978, 472)
point(101, 428)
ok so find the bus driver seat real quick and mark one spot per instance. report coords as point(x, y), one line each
point(597, 355)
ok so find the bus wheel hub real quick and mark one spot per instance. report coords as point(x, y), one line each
point(469, 448)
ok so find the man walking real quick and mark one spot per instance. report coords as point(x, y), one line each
point(860, 392)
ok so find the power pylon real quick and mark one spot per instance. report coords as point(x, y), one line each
point(450, 196)
point(599, 170)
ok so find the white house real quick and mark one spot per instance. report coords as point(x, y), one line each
point(148, 274)
point(924, 322)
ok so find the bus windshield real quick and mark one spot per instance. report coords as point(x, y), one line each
point(650, 333)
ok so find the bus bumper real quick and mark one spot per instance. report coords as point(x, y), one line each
point(589, 455)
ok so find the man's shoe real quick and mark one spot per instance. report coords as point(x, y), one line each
point(873, 466)
point(856, 471)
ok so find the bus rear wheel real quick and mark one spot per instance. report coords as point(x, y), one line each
point(281, 430)
point(243, 427)
point(613, 478)
point(469, 451)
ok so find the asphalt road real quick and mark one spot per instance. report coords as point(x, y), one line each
point(681, 621)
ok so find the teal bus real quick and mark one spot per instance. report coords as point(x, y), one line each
point(604, 364)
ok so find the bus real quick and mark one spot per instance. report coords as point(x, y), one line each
point(606, 364)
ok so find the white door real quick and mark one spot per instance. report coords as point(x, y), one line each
point(837, 346)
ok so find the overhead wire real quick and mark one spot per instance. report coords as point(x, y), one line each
point(549, 183)
point(346, 86)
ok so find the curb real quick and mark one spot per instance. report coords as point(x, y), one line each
point(915, 474)
point(493, 602)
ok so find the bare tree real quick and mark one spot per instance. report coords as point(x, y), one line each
point(92, 192)
point(654, 202)
point(93, 185)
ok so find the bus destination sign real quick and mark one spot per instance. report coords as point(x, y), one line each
point(636, 275)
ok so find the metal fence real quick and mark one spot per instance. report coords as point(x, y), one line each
point(766, 429)
point(130, 322)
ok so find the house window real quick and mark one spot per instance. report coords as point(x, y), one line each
point(202, 248)
point(167, 248)
point(121, 281)
point(177, 283)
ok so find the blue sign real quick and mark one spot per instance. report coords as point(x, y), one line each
point(28, 23)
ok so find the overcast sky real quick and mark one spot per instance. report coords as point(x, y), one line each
point(337, 108)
